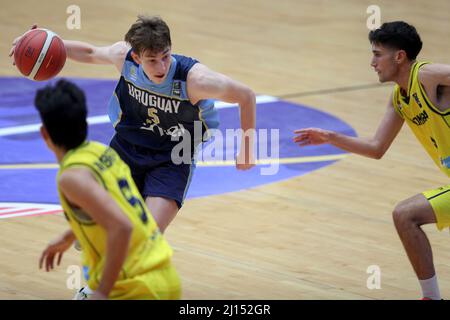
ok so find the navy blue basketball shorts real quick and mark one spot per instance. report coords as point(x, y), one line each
point(154, 172)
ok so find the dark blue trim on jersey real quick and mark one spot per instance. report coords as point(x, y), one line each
point(130, 58)
point(184, 64)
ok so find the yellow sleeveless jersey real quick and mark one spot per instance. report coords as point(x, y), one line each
point(148, 249)
point(430, 125)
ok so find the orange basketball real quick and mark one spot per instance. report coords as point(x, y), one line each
point(40, 54)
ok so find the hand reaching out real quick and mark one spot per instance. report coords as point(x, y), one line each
point(56, 247)
point(16, 40)
point(311, 136)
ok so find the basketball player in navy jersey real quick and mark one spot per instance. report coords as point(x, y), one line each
point(161, 96)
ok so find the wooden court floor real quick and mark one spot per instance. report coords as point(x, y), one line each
point(311, 237)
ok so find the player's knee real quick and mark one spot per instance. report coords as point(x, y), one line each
point(402, 215)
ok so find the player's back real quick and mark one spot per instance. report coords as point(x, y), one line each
point(148, 250)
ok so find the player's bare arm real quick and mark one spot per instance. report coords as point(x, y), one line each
point(374, 147)
point(84, 52)
point(203, 83)
point(87, 53)
point(81, 189)
point(435, 79)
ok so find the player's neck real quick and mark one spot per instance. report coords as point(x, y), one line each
point(403, 75)
point(59, 153)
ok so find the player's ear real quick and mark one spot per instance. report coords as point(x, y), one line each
point(46, 136)
point(135, 57)
point(400, 56)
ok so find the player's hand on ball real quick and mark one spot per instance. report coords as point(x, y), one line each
point(16, 40)
point(311, 136)
point(55, 248)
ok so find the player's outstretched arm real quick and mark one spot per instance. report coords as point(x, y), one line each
point(374, 148)
point(84, 52)
point(81, 188)
point(203, 83)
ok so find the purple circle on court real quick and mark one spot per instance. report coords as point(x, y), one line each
point(21, 145)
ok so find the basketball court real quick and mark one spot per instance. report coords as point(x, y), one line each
point(316, 227)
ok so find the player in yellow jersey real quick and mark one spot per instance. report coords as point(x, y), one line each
point(421, 98)
point(124, 254)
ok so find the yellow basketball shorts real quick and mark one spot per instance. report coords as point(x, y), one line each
point(440, 201)
point(160, 284)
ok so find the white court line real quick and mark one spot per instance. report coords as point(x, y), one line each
point(105, 119)
point(35, 209)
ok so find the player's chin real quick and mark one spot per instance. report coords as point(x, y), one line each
point(382, 79)
point(158, 79)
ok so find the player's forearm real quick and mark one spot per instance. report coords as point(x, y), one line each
point(248, 118)
point(68, 235)
point(79, 51)
point(361, 146)
point(117, 248)
point(83, 52)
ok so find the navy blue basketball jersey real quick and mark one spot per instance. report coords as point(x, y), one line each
point(148, 114)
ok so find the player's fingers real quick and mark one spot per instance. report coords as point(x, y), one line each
point(34, 26)
point(41, 260)
point(300, 138)
point(245, 166)
point(60, 257)
point(49, 262)
point(304, 130)
point(47, 258)
point(301, 135)
point(52, 261)
point(304, 143)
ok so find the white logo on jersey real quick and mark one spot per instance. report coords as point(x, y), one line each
point(150, 100)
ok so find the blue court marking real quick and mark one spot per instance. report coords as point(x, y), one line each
point(38, 185)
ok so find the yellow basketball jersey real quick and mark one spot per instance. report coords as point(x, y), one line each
point(148, 250)
point(430, 125)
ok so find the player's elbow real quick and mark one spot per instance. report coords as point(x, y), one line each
point(247, 97)
point(126, 227)
point(122, 229)
point(378, 153)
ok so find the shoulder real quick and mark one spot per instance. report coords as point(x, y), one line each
point(74, 177)
point(184, 60)
point(201, 75)
point(184, 66)
point(120, 48)
point(433, 72)
point(118, 52)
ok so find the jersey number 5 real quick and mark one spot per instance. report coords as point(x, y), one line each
point(153, 117)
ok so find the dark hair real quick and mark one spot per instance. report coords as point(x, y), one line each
point(149, 33)
point(62, 108)
point(398, 35)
